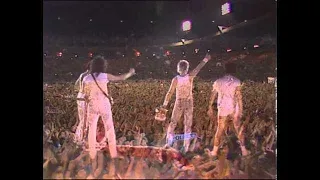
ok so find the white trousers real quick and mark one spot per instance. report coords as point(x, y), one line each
point(96, 109)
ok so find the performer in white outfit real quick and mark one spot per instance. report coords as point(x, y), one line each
point(228, 89)
point(183, 85)
point(96, 92)
point(82, 124)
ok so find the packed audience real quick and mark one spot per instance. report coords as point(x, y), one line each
point(256, 58)
point(64, 159)
point(256, 64)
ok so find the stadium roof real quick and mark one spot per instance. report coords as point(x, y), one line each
point(124, 18)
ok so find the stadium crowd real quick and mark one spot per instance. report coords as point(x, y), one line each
point(256, 58)
point(64, 59)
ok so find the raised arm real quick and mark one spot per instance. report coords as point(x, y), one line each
point(196, 70)
point(121, 77)
point(170, 92)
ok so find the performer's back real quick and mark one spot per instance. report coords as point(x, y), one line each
point(226, 87)
point(92, 90)
point(184, 87)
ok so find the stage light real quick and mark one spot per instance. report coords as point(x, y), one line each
point(245, 20)
point(76, 55)
point(208, 50)
point(151, 22)
point(245, 48)
point(90, 20)
point(228, 50)
point(256, 46)
point(225, 8)
point(58, 18)
point(90, 54)
point(153, 54)
point(59, 54)
point(196, 51)
point(186, 26)
point(45, 54)
point(138, 54)
point(122, 55)
point(121, 21)
point(213, 21)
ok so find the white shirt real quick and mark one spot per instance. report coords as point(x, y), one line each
point(184, 87)
point(226, 88)
point(91, 89)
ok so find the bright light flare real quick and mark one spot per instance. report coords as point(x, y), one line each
point(225, 8)
point(186, 26)
point(228, 50)
point(59, 54)
point(256, 46)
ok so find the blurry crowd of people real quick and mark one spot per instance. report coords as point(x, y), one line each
point(254, 64)
point(64, 57)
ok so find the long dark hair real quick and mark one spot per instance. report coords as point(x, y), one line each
point(98, 65)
